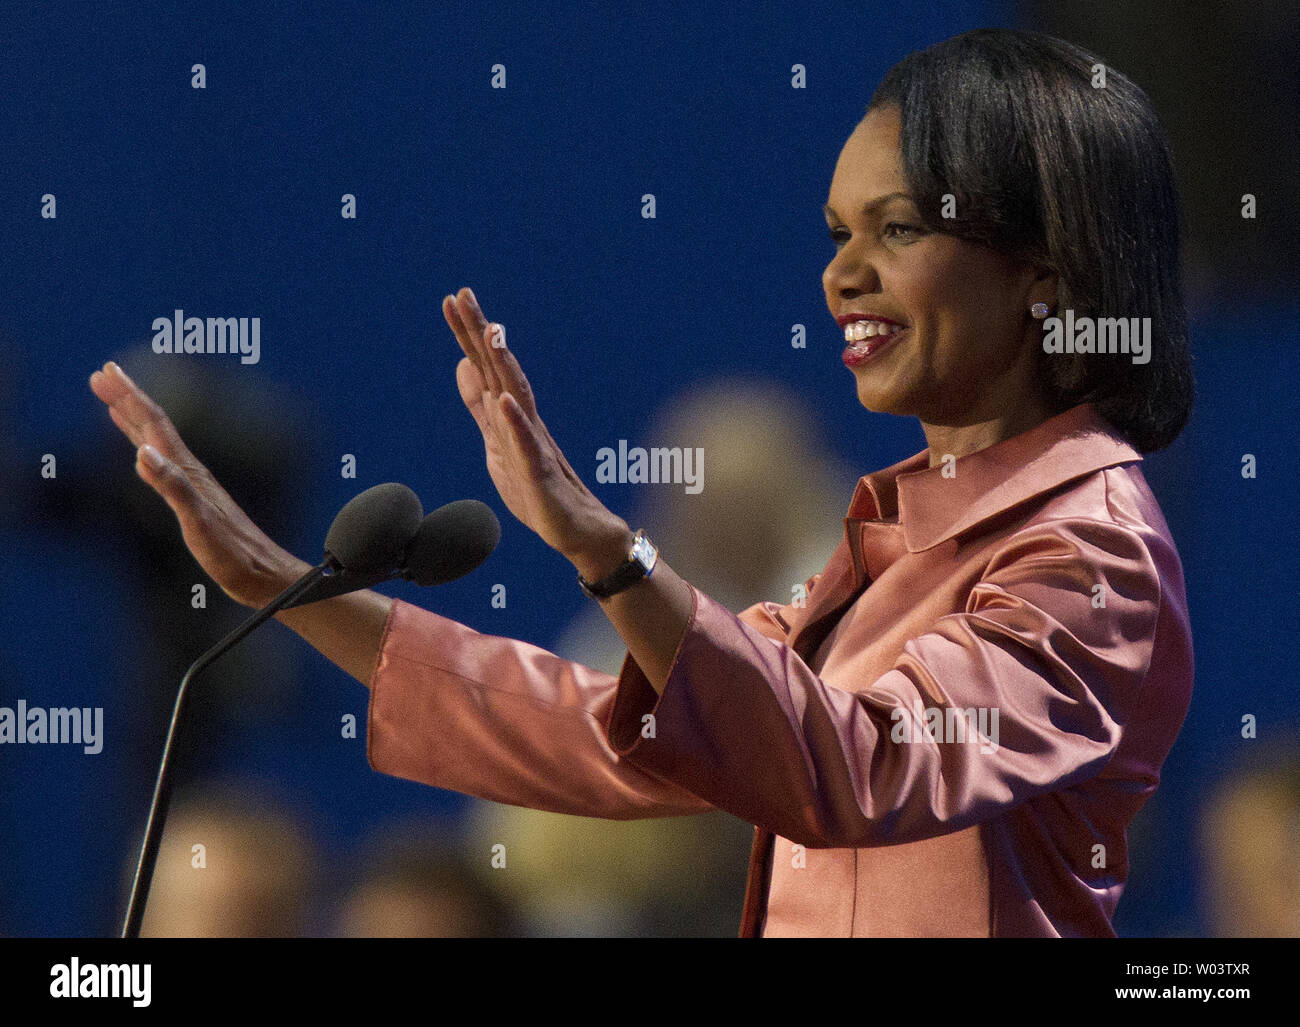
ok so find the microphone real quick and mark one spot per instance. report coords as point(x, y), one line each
point(373, 529)
point(378, 535)
point(446, 545)
point(451, 542)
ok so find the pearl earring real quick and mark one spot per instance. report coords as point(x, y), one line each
point(1039, 310)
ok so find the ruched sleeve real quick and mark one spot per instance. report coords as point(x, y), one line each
point(500, 719)
point(1056, 637)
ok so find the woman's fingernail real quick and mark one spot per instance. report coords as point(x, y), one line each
point(472, 298)
point(117, 370)
point(152, 457)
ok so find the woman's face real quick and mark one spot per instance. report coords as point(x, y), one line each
point(966, 354)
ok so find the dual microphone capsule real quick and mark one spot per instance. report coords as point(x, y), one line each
point(384, 533)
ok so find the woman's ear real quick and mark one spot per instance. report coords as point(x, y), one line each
point(1042, 287)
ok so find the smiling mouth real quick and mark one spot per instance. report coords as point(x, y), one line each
point(856, 331)
point(860, 350)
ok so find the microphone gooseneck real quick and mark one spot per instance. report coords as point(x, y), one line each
point(162, 787)
point(371, 540)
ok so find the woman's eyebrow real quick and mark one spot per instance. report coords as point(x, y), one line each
point(868, 208)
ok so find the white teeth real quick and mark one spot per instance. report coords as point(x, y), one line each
point(856, 331)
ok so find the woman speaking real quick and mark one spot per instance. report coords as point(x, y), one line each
point(950, 731)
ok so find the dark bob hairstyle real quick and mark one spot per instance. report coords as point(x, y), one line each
point(1073, 176)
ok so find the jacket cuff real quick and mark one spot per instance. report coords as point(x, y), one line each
point(376, 739)
point(635, 698)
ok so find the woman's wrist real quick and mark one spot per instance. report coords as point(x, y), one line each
point(602, 549)
point(272, 575)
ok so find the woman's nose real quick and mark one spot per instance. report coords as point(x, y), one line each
point(849, 274)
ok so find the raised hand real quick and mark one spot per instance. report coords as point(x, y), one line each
point(238, 556)
point(534, 479)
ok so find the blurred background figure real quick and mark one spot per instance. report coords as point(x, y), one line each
point(417, 884)
point(1250, 841)
point(255, 438)
point(121, 616)
point(769, 516)
point(234, 863)
point(581, 877)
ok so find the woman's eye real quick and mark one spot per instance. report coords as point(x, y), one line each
point(893, 230)
point(903, 229)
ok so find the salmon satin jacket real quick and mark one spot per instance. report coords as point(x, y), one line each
point(1027, 596)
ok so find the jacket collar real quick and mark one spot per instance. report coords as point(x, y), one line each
point(932, 508)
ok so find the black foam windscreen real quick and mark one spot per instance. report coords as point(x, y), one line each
point(371, 532)
point(452, 541)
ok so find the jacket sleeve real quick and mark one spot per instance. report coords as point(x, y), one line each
point(500, 719)
point(746, 724)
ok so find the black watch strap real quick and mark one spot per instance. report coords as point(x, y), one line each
point(641, 560)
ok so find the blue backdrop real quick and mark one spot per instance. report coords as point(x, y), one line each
point(226, 200)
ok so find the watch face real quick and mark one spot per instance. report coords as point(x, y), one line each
point(644, 552)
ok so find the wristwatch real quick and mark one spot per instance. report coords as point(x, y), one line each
point(641, 560)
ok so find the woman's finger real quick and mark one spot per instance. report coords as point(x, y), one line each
point(517, 385)
point(457, 327)
point(168, 480)
point(469, 326)
point(537, 455)
point(500, 373)
point(563, 462)
point(129, 429)
point(138, 416)
point(509, 371)
point(110, 393)
point(472, 389)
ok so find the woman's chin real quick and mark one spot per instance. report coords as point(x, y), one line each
point(881, 401)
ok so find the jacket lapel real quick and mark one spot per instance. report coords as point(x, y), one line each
point(837, 585)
